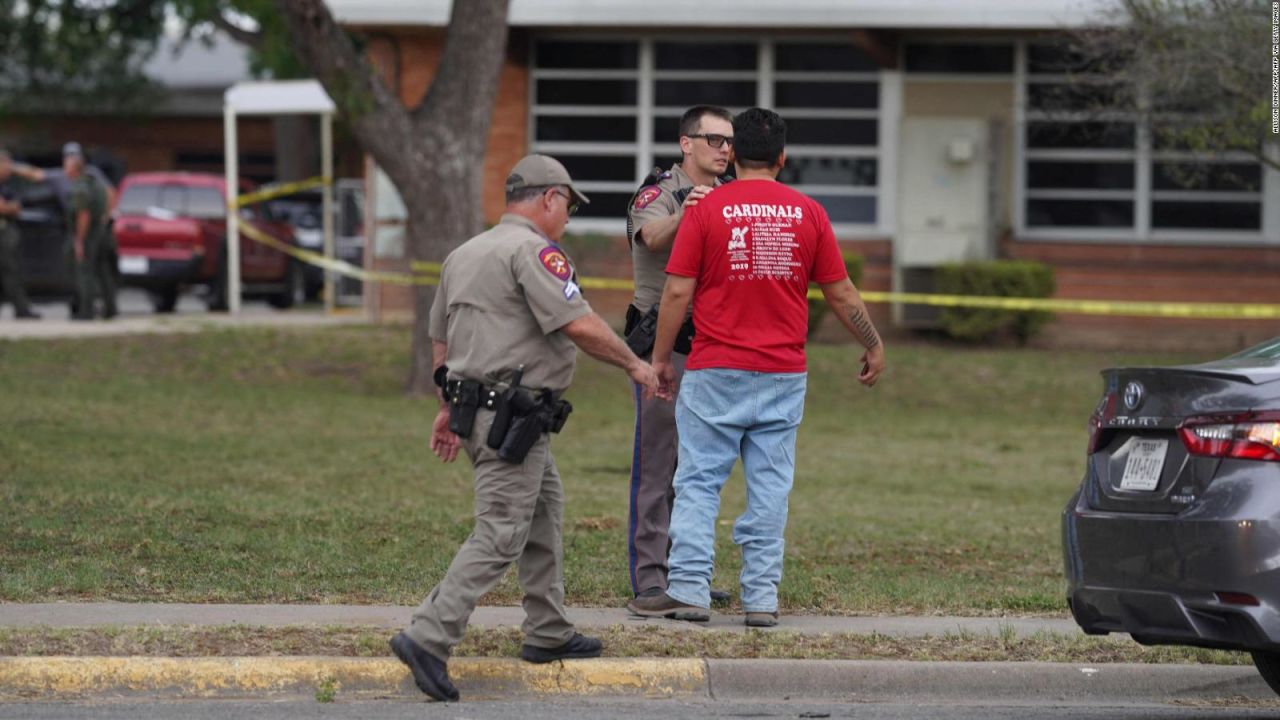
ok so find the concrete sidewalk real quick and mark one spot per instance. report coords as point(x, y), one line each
point(392, 617)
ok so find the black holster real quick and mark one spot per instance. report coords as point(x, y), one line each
point(464, 398)
point(524, 420)
point(641, 331)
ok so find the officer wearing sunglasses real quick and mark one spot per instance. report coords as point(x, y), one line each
point(706, 144)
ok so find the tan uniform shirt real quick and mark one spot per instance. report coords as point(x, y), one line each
point(503, 297)
point(653, 202)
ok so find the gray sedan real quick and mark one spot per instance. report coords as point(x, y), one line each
point(1174, 534)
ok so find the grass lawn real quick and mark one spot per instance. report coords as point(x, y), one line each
point(287, 466)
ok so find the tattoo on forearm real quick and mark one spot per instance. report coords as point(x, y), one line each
point(865, 330)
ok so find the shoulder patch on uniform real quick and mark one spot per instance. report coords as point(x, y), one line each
point(647, 194)
point(555, 262)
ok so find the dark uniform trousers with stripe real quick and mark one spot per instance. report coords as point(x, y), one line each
point(653, 466)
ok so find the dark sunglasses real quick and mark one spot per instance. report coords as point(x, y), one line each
point(573, 204)
point(715, 140)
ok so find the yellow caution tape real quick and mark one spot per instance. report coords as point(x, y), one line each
point(280, 191)
point(427, 273)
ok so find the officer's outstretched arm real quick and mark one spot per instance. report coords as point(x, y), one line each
point(597, 339)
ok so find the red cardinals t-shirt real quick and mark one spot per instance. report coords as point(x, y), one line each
point(754, 246)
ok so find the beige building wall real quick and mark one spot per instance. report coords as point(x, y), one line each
point(992, 99)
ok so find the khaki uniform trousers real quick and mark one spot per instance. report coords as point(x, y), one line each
point(519, 513)
point(653, 466)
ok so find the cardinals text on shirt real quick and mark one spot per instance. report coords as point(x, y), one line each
point(756, 210)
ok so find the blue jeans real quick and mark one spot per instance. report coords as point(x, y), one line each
point(721, 415)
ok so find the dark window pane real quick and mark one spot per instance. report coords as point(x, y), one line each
point(1061, 59)
point(666, 130)
point(821, 56)
point(557, 54)
point(1101, 175)
point(857, 209)
point(585, 128)
point(960, 58)
point(686, 93)
point(600, 167)
point(1240, 177)
point(826, 94)
point(704, 56)
point(1207, 215)
point(136, 199)
point(586, 92)
point(205, 203)
point(1080, 135)
point(860, 172)
point(612, 205)
point(831, 131)
point(1073, 96)
point(1079, 213)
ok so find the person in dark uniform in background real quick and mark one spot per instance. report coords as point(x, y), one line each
point(13, 179)
point(86, 211)
point(706, 141)
point(504, 324)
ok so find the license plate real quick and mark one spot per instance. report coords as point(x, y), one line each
point(1142, 469)
point(133, 265)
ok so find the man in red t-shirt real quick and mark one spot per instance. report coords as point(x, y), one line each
point(745, 256)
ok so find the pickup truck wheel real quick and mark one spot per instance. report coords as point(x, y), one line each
point(164, 300)
point(293, 288)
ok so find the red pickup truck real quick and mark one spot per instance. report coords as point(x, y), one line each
point(171, 233)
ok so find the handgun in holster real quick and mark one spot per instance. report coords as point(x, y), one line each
point(641, 329)
point(512, 400)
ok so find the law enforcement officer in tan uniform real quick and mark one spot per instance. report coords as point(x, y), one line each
point(706, 141)
point(504, 324)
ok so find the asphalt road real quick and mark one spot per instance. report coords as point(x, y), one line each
point(611, 709)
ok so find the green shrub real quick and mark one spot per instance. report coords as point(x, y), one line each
point(997, 278)
point(818, 308)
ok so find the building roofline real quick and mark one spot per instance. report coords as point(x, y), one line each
point(749, 14)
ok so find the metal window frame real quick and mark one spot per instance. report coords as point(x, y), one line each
point(1143, 156)
point(645, 150)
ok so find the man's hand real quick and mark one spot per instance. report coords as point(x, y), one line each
point(697, 193)
point(443, 442)
point(666, 379)
point(643, 374)
point(872, 366)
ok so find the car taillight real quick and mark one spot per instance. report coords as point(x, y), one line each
point(1255, 436)
point(1105, 410)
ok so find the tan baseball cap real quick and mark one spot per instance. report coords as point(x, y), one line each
point(541, 171)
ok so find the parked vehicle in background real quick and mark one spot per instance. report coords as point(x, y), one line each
point(1174, 534)
point(170, 228)
point(42, 224)
point(303, 212)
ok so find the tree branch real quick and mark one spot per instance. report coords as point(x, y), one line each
point(378, 120)
point(249, 38)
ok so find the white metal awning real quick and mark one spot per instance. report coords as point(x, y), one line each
point(281, 97)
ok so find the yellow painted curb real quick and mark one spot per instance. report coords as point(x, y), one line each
point(50, 677)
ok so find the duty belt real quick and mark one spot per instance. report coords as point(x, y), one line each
point(460, 392)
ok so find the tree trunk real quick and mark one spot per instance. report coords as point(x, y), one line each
point(434, 153)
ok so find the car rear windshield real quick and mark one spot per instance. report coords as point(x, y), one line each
point(1269, 350)
point(202, 203)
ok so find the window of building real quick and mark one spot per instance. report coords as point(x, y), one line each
point(610, 111)
point(961, 58)
point(1089, 166)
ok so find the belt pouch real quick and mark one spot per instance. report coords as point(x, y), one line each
point(462, 408)
point(559, 415)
